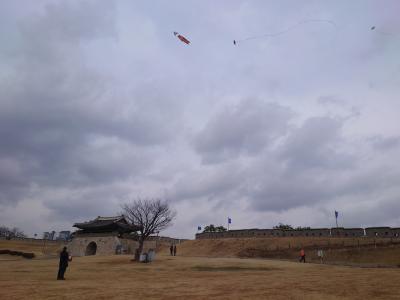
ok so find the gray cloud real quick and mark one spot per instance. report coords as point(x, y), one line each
point(101, 103)
point(245, 129)
point(59, 125)
point(330, 100)
point(316, 145)
point(208, 182)
point(313, 164)
point(381, 143)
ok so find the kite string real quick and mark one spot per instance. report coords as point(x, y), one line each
point(288, 29)
point(387, 33)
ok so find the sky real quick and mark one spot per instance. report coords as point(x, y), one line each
point(101, 104)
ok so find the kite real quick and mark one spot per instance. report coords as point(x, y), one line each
point(379, 31)
point(287, 30)
point(182, 38)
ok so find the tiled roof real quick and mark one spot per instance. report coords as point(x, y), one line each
point(102, 223)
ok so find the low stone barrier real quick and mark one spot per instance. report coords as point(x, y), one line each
point(18, 253)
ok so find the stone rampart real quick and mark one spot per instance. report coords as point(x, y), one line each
point(347, 232)
point(165, 239)
point(312, 232)
point(32, 240)
point(379, 232)
point(395, 232)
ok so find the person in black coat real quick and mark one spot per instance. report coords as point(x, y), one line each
point(171, 250)
point(62, 267)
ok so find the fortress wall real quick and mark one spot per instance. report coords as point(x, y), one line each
point(264, 232)
point(347, 232)
point(317, 232)
point(165, 239)
point(378, 232)
point(34, 241)
point(395, 232)
point(312, 232)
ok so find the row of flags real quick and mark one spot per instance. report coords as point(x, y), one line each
point(230, 220)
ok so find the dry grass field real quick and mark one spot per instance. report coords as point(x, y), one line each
point(345, 251)
point(116, 277)
point(192, 275)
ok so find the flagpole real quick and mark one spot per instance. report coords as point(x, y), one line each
point(336, 215)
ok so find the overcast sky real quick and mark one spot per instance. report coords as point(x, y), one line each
point(101, 104)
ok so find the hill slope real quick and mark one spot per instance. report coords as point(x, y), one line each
point(362, 251)
point(38, 247)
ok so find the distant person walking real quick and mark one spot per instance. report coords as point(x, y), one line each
point(302, 256)
point(171, 250)
point(174, 250)
point(62, 267)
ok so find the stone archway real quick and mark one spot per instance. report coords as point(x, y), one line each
point(91, 249)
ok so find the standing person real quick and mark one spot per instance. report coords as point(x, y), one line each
point(302, 256)
point(62, 267)
point(171, 249)
point(174, 250)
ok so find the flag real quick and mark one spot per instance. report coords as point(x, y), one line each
point(229, 220)
point(336, 214)
point(198, 227)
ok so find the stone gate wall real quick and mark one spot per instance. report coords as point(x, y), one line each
point(107, 244)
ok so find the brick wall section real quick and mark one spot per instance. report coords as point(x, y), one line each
point(395, 232)
point(313, 232)
point(378, 231)
point(347, 232)
point(166, 239)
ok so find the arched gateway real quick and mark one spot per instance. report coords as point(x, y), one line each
point(91, 249)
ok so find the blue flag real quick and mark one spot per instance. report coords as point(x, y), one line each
point(229, 220)
point(336, 214)
point(198, 227)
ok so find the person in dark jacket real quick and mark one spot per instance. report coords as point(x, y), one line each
point(62, 267)
point(174, 250)
point(171, 249)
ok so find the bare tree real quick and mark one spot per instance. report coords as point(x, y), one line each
point(212, 228)
point(18, 233)
point(152, 215)
point(4, 231)
point(11, 232)
point(283, 226)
